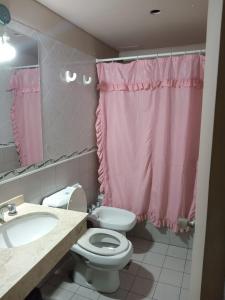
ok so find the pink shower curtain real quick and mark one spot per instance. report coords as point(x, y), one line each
point(148, 127)
point(26, 115)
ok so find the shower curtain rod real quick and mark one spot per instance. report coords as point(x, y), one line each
point(155, 55)
point(26, 67)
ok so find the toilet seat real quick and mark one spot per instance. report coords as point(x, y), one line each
point(115, 261)
point(103, 242)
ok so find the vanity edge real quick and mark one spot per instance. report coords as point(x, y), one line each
point(22, 268)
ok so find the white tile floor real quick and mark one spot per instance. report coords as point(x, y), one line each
point(158, 271)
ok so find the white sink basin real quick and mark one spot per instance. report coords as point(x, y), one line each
point(26, 229)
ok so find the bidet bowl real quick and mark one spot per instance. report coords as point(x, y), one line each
point(26, 229)
point(114, 218)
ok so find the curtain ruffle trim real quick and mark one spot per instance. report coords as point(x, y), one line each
point(107, 87)
point(99, 137)
point(160, 223)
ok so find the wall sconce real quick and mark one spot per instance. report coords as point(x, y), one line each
point(7, 51)
point(87, 81)
point(69, 76)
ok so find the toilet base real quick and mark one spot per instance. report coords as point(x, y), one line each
point(105, 281)
point(123, 233)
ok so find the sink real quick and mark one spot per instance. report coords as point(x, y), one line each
point(26, 229)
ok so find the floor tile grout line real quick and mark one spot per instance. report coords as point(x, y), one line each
point(157, 281)
point(165, 254)
point(160, 272)
point(149, 250)
point(136, 275)
point(177, 286)
point(176, 257)
point(130, 290)
point(183, 275)
point(62, 288)
point(132, 282)
point(163, 265)
point(154, 282)
point(181, 285)
point(174, 270)
point(159, 242)
point(72, 296)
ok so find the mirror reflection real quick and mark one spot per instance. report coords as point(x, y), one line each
point(20, 102)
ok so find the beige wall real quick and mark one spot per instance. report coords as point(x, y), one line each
point(37, 16)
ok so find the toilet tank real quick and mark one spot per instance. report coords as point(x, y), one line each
point(71, 197)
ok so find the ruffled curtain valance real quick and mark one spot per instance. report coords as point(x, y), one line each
point(176, 72)
point(26, 84)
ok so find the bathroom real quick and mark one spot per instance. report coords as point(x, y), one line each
point(63, 39)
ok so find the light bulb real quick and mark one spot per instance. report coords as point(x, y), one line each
point(7, 51)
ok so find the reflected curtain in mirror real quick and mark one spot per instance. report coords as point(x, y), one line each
point(26, 115)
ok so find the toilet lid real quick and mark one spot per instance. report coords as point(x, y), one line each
point(78, 200)
point(103, 242)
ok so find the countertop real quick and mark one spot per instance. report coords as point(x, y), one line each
point(22, 268)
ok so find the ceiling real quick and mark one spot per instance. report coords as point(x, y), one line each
point(128, 25)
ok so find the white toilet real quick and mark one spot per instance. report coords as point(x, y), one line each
point(100, 253)
point(113, 218)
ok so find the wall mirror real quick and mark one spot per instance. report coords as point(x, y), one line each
point(20, 101)
point(43, 119)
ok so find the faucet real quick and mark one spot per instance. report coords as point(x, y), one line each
point(11, 211)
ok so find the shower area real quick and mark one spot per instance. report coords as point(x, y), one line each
point(148, 130)
point(148, 135)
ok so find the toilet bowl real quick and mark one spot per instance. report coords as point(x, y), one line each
point(99, 253)
point(113, 218)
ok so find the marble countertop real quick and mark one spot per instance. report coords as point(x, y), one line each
point(22, 268)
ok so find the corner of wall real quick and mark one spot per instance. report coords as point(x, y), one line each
point(39, 17)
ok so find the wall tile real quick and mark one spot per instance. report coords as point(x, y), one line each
point(9, 158)
point(32, 187)
point(92, 193)
point(88, 171)
point(38, 185)
point(48, 185)
point(10, 190)
point(67, 173)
